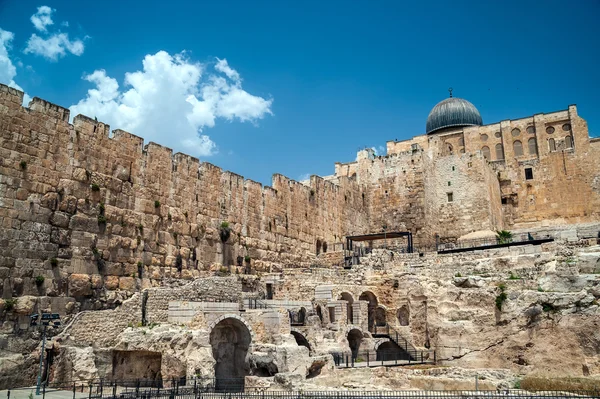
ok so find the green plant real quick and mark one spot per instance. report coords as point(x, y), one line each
point(95, 187)
point(504, 236)
point(130, 325)
point(157, 204)
point(169, 217)
point(513, 276)
point(39, 280)
point(53, 262)
point(141, 228)
point(10, 304)
point(548, 307)
point(223, 270)
point(175, 236)
point(101, 219)
point(458, 274)
point(502, 297)
point(247, 258)
point(224, 231)
point(517, 384)
point(23, 165)
point(101, 208)
point(570, 260)
point(139, 240)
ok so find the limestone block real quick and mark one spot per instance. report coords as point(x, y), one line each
point(111, 282)
point(59, 219)
point(97, 281)
point(469, 282)
point(80, 285)
point(127, 283)
point(25, 305)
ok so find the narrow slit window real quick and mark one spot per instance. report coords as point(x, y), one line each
point(450, 197)
point(528, 173)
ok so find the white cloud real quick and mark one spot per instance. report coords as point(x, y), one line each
point(54, 47)
point(171, 100)
point(379, 150)
point(305, 176)
point(42, 18)
point(7, 69)
point(65, 24)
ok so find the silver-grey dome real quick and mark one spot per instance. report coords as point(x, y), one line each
point(450, 112)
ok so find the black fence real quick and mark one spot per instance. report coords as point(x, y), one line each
point(491, 242)
point(380, 358)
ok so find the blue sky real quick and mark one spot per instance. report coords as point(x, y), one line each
point(292, 87)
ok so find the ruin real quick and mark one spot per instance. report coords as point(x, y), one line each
point(168, 269)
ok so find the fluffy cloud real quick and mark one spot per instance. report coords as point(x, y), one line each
point(171, 100)
point(42, 18)
point(7, 69)
point(55, 45)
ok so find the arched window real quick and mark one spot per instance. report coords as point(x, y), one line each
point(485, 150)
point(531, 143)
point(551, 145)
point(568, 142)
point(518, 148)
point(499, 152)
point(516, 131)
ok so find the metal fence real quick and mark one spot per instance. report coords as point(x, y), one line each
point(380, 358)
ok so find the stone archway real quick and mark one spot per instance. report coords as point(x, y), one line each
point(345, 296)
point(230, 339)
point(320, 313)
point(403, 315)
point(380, 317)
point(372, 299)
point(355, 337)
point(390, 351)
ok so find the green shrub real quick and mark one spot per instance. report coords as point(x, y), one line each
point(101, 219)
point(548, 307)
point(139, 240)
point(53, 262)
point(23, 165)
point(458, 274)
point(247, 258)
point(224, 231)
point(10, 304)
point(504, 236)
point(501, 298)
point(157, 204)
point(39, 280)
point(513, 276)
point(169, 217)
point(141, 228)
point(95, 187)
point(224, 225)
point(101, 208)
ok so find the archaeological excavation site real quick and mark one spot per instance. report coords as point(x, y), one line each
point(466, 258)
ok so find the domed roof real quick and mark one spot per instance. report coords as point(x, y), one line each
point(452, 111)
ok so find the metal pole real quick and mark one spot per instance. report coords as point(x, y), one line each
point(39, 379)
point(476, 382)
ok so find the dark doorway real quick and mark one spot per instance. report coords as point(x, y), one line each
point(269, 291)
point(230, 340)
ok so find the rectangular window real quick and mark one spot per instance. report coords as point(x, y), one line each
point(528, 173)
point(450, 197)
point(504, 201)
point(453, 168)
point(449, 184)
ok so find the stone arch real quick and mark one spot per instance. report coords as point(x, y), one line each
point(518, 148)
point(403, 315)
point(389, 350)
point(485, 150)
point(300, 338)
point(355, 337)
point(319, 312)
point(230, 338)
point(380, 317)
point(499, 152)
point(532, 145)
point(346, 296)
point(372, 299)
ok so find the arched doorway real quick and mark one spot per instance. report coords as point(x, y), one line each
point(380, 319)
point(300, 339)
point(355, 337)
point(345, 296)
point(372, 299)
point(391, 351)
point(403, 315)
point(230, 340)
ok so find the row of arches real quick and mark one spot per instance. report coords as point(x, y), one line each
point(518, 148)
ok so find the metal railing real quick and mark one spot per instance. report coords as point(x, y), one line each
point(393, 334)
point(492, 241)
point(378, 358)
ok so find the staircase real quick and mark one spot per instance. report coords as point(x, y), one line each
point(393, 335)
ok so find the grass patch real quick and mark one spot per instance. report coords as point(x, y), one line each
point(513, 276)
point(502, 297)
point(157, 204)
point(39, 280)
point(10, 304)
point(95, 187)
point(560, 384)
point(23, 165)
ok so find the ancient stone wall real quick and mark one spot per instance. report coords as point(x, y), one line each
point(74, 200)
